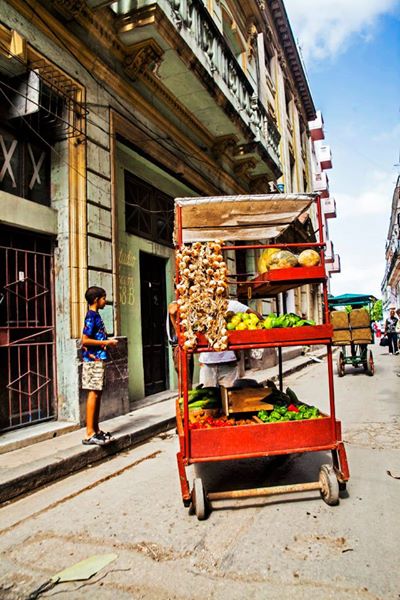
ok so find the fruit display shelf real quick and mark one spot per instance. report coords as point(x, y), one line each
point(306, 335)
point(278, 281)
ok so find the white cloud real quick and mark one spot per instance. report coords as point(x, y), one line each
point(363, 278)
point(389, 135)
point(325, 28)
point(373, 199)
point(360, 231)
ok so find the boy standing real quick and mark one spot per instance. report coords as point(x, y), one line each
point(94, 353)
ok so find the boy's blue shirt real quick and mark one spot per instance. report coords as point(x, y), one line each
point(94, 328)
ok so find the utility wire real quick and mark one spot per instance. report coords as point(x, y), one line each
point(142, 126)
point(74, 169)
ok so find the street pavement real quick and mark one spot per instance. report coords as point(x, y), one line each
point(278, 548)
point(38, 455)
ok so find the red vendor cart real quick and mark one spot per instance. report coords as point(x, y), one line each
point(258, 222)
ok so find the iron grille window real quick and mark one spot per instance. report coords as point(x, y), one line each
point(148, 211)
point(24, 166)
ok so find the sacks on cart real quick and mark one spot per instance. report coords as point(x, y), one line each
point(341, 332)
point(359, 318)
point(361, 335)
point(339, 319)
point(341, 337)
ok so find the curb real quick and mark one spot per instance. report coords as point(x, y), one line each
point(299, 367)
point(64, 466)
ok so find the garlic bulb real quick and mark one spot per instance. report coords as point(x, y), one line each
point(202, 290)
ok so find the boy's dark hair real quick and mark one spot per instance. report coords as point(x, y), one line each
point(94, 292)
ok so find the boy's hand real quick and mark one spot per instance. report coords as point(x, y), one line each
point(112, 342)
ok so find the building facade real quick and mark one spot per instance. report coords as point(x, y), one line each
point(391, 281)
point(321, 161)
point(109, 111)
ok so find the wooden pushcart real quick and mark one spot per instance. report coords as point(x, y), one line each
point(250, 219)
point(352, 342)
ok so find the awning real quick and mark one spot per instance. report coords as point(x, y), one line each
point(353, 300)
point(231, 218)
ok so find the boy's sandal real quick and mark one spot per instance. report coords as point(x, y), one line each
point(95, 440)
point(106, 435)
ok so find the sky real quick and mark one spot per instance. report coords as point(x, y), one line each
point(351, 51)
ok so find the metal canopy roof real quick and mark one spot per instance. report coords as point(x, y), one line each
point(351, 300)
point(230, 218)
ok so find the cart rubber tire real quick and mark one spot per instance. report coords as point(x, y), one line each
point(329, 485)
point(369, 365)
point(340, 364)
point(199, 499)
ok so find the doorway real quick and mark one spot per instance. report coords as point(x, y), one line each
point(153, 316)
point(27, 332)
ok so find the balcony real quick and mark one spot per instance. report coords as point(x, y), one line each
point(334, 267)
point(316, 127)
point(199, 76)
point(392, 274)
point(329, 207)
point(329, 252)
point(324, 156)
point(321, 184)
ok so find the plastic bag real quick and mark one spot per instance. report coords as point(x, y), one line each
point(384, 341)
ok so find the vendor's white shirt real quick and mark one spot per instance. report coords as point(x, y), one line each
point(211, 358)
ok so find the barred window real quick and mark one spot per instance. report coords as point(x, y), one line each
point(148, 211)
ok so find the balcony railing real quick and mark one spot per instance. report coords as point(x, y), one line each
point(317, 127)
point(320, 182)
point(335, 266)
point(329, 252)
point(329, 207)
point(324, 155)
point(198, 29)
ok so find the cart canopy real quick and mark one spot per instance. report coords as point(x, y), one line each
point(231, 218)
point(353, 300)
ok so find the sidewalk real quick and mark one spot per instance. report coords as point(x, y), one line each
point(25, 469)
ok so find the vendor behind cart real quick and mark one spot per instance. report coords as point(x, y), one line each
point(221, 368)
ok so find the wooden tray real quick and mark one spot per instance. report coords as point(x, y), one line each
point(244, 400)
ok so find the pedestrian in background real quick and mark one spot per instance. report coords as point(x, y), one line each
point(94, 354)
point(398, 328)
point(390, 330)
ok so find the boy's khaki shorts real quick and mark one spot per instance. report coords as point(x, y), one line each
point(93, 375)
point(213, 375)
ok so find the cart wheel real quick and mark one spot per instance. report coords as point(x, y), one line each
point(198, 499)
point(369, 366)
point(340, 364)
point(329, 485)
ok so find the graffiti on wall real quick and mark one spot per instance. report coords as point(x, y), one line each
point(127, 262)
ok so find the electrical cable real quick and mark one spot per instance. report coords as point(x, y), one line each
point(150, 135)
point(141, 126)
point(139, 123)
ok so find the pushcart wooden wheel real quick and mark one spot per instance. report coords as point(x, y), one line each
point(329, 485)
point(369, 366)
point(198, 499)
point(340, 364)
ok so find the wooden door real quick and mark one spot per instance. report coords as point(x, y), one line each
point(153, 313)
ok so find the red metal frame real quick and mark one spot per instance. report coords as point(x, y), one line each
point(245, 441)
